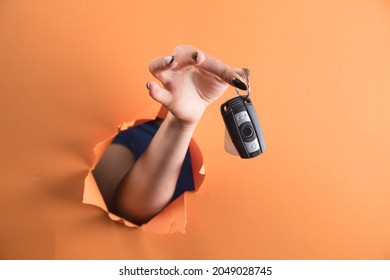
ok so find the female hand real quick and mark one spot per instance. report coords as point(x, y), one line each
point(191, 80)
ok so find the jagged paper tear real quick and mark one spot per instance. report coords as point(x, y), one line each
point(173, 218)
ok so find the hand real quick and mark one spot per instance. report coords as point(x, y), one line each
point(191, 80)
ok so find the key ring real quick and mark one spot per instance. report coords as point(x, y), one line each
point(248, 90)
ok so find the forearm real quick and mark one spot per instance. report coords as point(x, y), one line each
point(191, 80)
point(149, 185)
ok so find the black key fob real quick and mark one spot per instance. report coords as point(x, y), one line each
point(243, 126)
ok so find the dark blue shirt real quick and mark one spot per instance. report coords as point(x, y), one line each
point(138, 138)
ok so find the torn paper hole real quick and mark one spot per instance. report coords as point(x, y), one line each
point(173, 218)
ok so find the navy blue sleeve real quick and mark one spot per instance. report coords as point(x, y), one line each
point(138, 138)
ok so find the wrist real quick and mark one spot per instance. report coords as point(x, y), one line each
point(184, 125)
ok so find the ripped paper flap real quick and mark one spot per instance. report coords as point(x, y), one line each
point(173, 218)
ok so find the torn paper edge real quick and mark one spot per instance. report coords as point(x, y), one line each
point(173, 218)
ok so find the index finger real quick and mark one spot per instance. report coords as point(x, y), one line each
point(232, 76)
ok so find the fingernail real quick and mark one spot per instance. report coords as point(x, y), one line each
point(148, 85)
point(239, 84)
point(247, 71)
point(195, 56)
point(168, 60)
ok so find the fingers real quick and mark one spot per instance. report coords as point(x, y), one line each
point(183, 58)
point(186, 57)
point(160, 67)
point(162, 96)
point(233, 76)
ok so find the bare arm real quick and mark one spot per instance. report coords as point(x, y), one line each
point(150, 185)
point(138, 190)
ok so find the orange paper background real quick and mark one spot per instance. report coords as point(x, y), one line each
point(72, 71)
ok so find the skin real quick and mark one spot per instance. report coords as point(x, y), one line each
point(191, 80)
